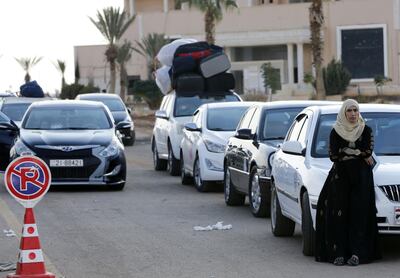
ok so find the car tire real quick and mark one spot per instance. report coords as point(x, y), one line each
point(173, 164)
point(281, 226)
point(201, 186)
point(232, 197)
point(307, 227)
point(257, 195)
point(185, 178)
point(130, 142)
point(159, 164)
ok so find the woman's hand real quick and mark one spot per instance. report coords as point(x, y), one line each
point(369, 160)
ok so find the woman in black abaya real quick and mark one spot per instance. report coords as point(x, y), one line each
point(346, 227)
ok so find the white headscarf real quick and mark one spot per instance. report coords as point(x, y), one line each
point(348, 131)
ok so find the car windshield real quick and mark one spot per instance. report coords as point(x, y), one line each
point(57, 118)
point(224, 119)
point(15, 111)
point(113, 104)
point(385, 127)
point(277, 122)
point(185, 106)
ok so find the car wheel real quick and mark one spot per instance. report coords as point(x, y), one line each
point(173, 165)
point(257, 195)
point(201, 186)
point(232, 197)
point(307, 227)
point(131, 141)
point(159, 164)
point(185, 178)
point(280, 224)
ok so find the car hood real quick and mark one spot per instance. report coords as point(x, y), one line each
point(386, 170)
point(219, 136)
point(67, 137)
point(119, 116)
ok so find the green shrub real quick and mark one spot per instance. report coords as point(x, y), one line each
point(149, 92)
point(271, 76)
point(336, 78)
point(72, 90)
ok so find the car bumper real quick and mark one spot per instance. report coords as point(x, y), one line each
point(388, 216)
point(211, 166)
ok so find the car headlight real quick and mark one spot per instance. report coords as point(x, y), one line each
point(22, 150)
point(110, 150)
point(214, 147)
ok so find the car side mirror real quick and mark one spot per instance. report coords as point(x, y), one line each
point(9, 126)
point(122, 125)
point(293, 147)
point(129, 110)
point(244, 133)
point(162, 114)
point(192, 127)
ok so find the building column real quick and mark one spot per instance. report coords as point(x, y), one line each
point(300, 63)
point(131, 7)
point(290, 63)
point(165, 6)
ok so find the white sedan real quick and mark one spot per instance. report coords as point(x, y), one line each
point(301, 167)
point(204, 140)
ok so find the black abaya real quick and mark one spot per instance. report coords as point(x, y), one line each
point(346, 212)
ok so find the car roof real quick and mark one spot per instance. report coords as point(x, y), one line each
point(24, 99)
point(68, 103)
point(364, 107)
point(295, 103)
point(229, 104)
point(98, 96)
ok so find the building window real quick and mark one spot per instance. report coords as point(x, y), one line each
point(362, 49)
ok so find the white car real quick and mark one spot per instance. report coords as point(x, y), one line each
point(301, 167)
point(175, 111)
point(204, 140)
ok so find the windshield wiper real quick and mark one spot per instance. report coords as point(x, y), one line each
point(389, 154)
point(77, 128)
point(275, 138)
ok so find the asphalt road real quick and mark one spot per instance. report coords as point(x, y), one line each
point(146, 230)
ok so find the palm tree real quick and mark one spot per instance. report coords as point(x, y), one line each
point(149, 48)
point(316, 23)
point(112, 24)
point(60, 65)
point(27, 64)
point(123, 56)
point(212, 10)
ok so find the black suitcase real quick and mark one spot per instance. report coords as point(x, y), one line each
point(220, 83)
point(189, 84)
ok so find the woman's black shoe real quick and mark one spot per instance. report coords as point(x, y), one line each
point(353, 261)
point(339, 261)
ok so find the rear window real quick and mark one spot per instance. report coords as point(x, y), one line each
point(15, 111)
point(185, 106)
point(112, 104)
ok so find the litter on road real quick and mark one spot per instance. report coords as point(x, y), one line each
point(218, 226)
point(7, 266)
point(9, 233)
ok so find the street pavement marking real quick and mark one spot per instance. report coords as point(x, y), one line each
point(16, 226)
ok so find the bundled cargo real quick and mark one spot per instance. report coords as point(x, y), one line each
point(194, 68)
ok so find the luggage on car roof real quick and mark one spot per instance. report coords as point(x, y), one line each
point(189, 84)
point(31, 89)
point(214, 64)
point(221, 82)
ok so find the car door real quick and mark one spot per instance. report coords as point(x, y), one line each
point(234, 149)
point(246, 151)
point(191, 140)
point(286, 177)
point(162, 142)
point(8, 133)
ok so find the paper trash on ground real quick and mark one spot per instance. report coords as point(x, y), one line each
point(218, 226)
point(9, 233)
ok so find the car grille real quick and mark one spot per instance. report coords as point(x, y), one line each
point(391, 191)
point(90, 164)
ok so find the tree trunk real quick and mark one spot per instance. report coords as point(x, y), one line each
point(122, 83)
point(209, 21)
point(316, 23)
point(113, 76)
point(27, 77)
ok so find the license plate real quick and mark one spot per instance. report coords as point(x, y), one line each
point(397, 215)
point(66, 163)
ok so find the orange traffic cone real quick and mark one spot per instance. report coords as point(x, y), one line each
point(30, 259)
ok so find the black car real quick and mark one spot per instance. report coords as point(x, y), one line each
point(247, 159)
point(77, 140)
point(8, 133)
point(119, 111)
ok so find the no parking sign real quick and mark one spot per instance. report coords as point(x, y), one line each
point(27, 179)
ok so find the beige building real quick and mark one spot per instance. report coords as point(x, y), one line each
point(364, 34)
